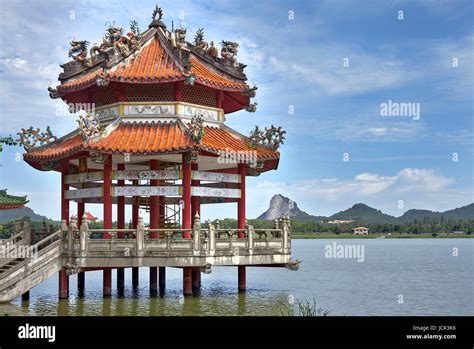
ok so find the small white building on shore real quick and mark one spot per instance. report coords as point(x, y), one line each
point(360, 231)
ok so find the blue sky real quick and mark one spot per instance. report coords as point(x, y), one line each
point(296, 63)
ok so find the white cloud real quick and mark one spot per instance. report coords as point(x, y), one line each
point(418, 188)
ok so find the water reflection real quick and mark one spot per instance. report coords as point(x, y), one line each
point(435, 281)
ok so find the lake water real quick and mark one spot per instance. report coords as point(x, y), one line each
point(397, 277)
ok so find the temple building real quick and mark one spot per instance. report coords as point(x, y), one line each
point(10, 202)
point(151, 135)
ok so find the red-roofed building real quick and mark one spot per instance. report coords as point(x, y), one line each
point(152, 131)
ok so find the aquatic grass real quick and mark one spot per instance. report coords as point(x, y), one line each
point(302, 308)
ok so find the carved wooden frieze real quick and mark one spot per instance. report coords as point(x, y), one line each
point(215, 192)
point(146, 191)
point(85, 177)
point(207, 114)
point(215, 177)
point(146, 175)
point(166, 109)
point(83, 193)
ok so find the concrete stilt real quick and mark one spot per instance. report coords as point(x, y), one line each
point(153, 280)
point(135, 277)
point(25, 296)
point(120, 280)
point(81, 282)
point(162, 279)
point(63, 284)
point(187, 282)
point(107, 283)
point(196, 275)
point(242, 278)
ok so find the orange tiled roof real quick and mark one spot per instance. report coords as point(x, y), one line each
point(148, 138)
point(208, 77)
point(132, 138)
point(152, 64)
point(220, 139)
point(79, 83)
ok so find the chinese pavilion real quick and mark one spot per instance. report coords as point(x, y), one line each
point(10, 202)
point(151, 134)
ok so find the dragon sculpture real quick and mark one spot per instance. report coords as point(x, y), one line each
point(229, 50)
point(78, 51)
point(115, 40)
point(177, 38)
point(89, 127)
point(30, 137)
point(196, 127)
point(271, 137)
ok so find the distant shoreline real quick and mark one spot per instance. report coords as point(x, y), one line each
point(303, 236)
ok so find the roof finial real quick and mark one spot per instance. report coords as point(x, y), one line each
point(156, 18)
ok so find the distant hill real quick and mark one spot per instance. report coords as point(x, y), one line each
point(465, 212)
point(364, 213)
point(11, 215)
point(282, 206)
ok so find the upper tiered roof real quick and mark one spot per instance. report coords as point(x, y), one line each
point(156, 56)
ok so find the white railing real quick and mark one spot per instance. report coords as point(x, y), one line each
point(198, 241)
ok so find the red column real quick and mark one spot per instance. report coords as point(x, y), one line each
point(186, 197)
point(63, 284)
point(162, 270)
point(107, 280)
point(154, 203)
point(187, 272)
point(195, 200)
point(242, 282)
point(81, 207)
point(121, 235)
point(135, 212)
point(195, 209)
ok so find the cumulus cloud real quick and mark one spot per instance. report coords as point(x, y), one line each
point(416, 187)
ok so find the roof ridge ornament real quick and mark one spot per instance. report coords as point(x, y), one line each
point(196, 127)
point(157, 22)
point(29, 137)
point(271, 137)
point(90, 127)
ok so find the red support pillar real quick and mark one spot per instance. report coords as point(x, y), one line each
point(242, 275)
point(81, 208)
point(107, 280)
point(154, 207)
point(195, 209)
point(162, 270)
point(187, 272)
point(135, 213)
point(121, 235)
point(63, 284)
point(186, 196)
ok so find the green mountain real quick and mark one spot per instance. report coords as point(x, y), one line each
point(465, 212)
point(11, 215)
point(363, 213)
point(281, 205)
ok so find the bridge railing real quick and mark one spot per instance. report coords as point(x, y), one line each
point(197, 241)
